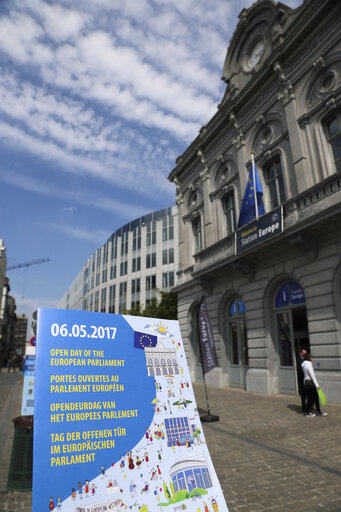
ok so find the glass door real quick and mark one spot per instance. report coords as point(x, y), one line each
point(237, 344)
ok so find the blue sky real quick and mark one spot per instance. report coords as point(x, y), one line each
point(97, 99)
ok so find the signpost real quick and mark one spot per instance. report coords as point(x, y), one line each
point(116, 425)
point(265, 227)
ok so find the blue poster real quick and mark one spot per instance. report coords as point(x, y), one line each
point(116, 425)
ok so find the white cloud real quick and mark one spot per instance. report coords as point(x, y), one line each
point(47, 189)
point(98, 236)
point(61, 24)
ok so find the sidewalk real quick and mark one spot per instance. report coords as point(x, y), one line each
point(267, 455)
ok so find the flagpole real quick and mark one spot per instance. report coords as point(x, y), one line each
point(206, 418)
point(254, 183)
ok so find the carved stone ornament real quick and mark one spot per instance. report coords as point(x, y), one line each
point(239, 140)
point(205, 171)
point(286, 93)
point(179, 199)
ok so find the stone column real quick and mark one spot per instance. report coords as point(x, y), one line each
point(302, 179)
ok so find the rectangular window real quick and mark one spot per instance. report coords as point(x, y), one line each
point(114, 248)
point(165, 280)
point(148, 260)
point(98, 257)
point(113, 272)
point(138, 284)
point(133, 265)
point(229, 212)
point(196, 228)
point(138, 263)
point(164, 257)
point(171, 256)
point(103, 300)
point(148, 283)
point(105, 253)
point(171, 279)
point(97, 279)
point(96, 301)
point(274, 181)
point(112, 295)
point(104, 275)
point(154, 259)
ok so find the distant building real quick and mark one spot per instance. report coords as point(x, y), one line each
point(138, 259)
point(19, 336)
point(3, 288)
point(269, 299)
point(9, 319)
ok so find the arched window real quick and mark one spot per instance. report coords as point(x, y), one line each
point(274, 179)
point(228, 206)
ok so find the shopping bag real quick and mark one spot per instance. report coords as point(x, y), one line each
point(322, 397)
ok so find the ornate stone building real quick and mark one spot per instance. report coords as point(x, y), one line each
point(161, 361)
point(283, 103)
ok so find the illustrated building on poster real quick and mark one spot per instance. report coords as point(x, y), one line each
point(191, 473)
point(161, 360)
point(179, 431)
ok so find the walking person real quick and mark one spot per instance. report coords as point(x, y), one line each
point(300, 380)
point(311, 386)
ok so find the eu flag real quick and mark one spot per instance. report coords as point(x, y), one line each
point(142, 340)
point(248, 209)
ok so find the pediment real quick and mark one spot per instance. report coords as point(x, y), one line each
point(259, 32)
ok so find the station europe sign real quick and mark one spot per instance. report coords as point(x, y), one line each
point(116, 425)
point(267, 226)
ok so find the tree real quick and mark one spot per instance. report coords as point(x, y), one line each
point(167, 308)
point(167, 493)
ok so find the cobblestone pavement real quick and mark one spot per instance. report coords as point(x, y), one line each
point(267, 455)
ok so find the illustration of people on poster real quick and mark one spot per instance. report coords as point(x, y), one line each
point(116, 425)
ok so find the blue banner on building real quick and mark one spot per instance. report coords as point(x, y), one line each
point(115, 417)
point(256, 232)
point(208, 353)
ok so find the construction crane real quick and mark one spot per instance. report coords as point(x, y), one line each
point(28, 263)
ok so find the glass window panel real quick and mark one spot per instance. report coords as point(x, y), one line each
point(233, 335)
point(284, 339)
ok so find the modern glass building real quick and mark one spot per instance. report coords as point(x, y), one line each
point(138, 259)
point(179, 431)
point(191, 473)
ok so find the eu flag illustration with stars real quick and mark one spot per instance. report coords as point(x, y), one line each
point(248, 209)
point(143, 340)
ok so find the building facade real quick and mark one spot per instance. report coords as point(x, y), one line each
point(19, 336)
point(282, 103)
point(136, 261)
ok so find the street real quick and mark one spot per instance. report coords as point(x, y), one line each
point(267, 455)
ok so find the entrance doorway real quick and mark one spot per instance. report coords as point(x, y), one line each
point(291, 334)
point(237, 344)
